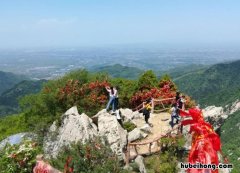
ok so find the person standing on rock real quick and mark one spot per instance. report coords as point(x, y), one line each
point(116, 103)
point(112, 97)
point(115, 93)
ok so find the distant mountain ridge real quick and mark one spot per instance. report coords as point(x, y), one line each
point(119, 70)
point(217, 85)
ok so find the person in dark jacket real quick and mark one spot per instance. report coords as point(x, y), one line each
point(147, 106)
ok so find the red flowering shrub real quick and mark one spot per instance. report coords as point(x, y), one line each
point(166, 89)
point(88, 97)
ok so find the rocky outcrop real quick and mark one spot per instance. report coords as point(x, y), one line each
point(188, 138)
point(217, 115)
point(128, 115)
point(136, 134)
point(235, 107)
point(111, 130)
point(146, 128)
point(74, 128)
point(140, 162)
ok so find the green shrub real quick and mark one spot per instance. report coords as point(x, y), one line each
point(11, 125)
point(91, 157)
point(162, 163)
point(129, 126)
point(19, 158)
point(167, 160)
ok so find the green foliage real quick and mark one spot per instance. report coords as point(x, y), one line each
point(91, 157)
point(9, 99)
point(162, 163)
point(11, 125)
point(129, 126)
point(167, 160)
point(18, 158)
point(183, 70)
point(126, 89)
point(230, 139)
point(8, 80)
point(218, 85)
point(147, 80)
point(166, 79)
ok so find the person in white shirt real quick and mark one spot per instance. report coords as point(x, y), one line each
point(112, 97)
point(115, 90)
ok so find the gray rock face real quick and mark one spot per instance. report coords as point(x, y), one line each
point(215, 115)
point(235, 107)
point(74, 128)
point(136, 134)
point(110, 129)
point(128, 115)
point(139, 161)
point(188, 137)
point(146, 128)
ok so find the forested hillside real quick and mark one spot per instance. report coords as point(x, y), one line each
point(217, 85)
point(10, 98)
point(231, 139)
point(8, 80)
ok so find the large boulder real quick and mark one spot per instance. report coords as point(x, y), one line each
point(74, 128)
point(111, 130)
point(140, 162)
point(128, 115)
point(188, 138)
point(215, 115)
point(235, 107)
point(136, 134)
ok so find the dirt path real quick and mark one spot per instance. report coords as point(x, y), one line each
point(160, 126)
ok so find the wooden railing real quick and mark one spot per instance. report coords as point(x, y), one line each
point(150, 143)
point(156, 102)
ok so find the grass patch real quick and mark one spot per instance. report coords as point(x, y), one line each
point(13, 124)
point(129, 126)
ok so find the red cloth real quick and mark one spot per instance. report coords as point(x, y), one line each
point(205, 142)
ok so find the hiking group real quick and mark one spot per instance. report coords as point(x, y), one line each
point(179, 104)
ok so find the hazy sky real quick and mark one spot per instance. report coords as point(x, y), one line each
point(47, 23)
